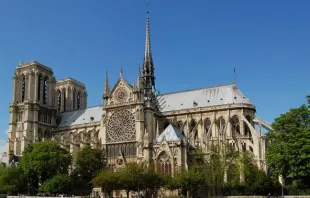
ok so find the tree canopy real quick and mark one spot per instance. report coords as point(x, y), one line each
point(288, 152)
point(43, 160)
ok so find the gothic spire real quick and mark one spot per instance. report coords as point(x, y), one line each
point(106, 92)
point(148, 65)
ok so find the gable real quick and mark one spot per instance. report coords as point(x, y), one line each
point(121, 92)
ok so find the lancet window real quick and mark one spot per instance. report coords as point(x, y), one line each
point(58, 100)
point(74, 99)
point(45, 86)
point(126, 149)
point(164, 164)
point(78, 105)
point(23, 87)
point(221, 125)
point(235, 126)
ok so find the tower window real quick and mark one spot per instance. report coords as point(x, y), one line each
point(39, 87)
point(78, 100)
point(59, 100)
point(45, 90)
point(23, 88)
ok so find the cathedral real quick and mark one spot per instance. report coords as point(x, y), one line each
point(134, 123)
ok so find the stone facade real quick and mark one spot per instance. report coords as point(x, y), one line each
point(135, 123)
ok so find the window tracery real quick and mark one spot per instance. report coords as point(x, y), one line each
point(45, 86)
point(164, 163)
point(121, 126)
point(235, 124)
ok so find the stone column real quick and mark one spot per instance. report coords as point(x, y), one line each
point(15, 84)
point(41, 88)
point(36, 76)
point(29, 86)
point(50, 92)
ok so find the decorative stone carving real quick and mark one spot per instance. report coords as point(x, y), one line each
point(121, 94)
point(121, 126)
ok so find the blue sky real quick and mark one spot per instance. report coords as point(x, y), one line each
point(194, 44)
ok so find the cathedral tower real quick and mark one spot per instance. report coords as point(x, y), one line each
point(32, 111)
point(70, 95)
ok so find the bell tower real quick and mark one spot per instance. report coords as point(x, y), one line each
point(33, 109)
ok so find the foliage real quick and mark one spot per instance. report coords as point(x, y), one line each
point(43, 160)
point(107, 180)
point(58, 184)
point(12, 180)
point(88, 164)
point(288, 152)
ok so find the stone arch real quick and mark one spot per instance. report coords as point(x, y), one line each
point(164, 163)
point(180, 125)
point(64, 100)
point(39, 87)
point(74, 99)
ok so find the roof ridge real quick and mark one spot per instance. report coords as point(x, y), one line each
point(195, 89)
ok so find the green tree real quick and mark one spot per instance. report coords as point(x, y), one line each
point(61, 183)
point(108, 180)
point(288, 152)
point(12, 180)
point(88, 164)
point(42, 161)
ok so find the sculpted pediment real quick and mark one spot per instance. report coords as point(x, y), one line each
point(121, 93)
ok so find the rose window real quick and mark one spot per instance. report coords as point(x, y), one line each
point(121, 126)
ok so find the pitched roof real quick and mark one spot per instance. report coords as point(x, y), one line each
point(83, 116)
point(220, 95)
point(205, 97)
point(170, 134)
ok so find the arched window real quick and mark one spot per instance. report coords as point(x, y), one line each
point(235, 126)
point(207, 126)
point(78, 101)
point(221, 125)
point(74, 99)
point(59, 100)
point(45, 86)
point(23, 88)
point(39, 87)
point(164, 164)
